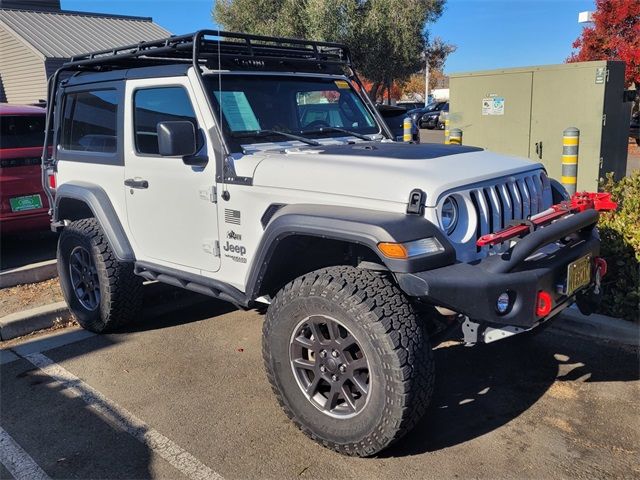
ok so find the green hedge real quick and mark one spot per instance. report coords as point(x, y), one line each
point(620, 233)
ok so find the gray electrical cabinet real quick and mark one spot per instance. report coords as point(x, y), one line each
point(523, 111)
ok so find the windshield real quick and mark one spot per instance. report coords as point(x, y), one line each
point(256, 107)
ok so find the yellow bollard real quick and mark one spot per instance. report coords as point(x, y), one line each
point(446, 127)
point(570, 144)
point(455, 136)
point(407, 127)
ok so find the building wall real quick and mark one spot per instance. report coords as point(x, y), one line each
point(22, 71)
point(53, 64)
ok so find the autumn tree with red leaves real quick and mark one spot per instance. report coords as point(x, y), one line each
point(614, 35)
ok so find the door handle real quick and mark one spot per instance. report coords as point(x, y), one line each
point(539, 150)
point(130, 182)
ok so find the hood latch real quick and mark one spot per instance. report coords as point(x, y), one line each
point(417, 200)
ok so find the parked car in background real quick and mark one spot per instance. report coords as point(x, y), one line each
point(634, 127)
point(410, 105)
point(24, 205)
point(432, 117)
point(394, 116)
point(417, 113)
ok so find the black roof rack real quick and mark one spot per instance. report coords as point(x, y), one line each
point(220, 49)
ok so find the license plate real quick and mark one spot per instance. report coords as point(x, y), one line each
point(28, 202)
point(578, 274)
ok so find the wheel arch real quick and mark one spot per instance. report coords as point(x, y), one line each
point(79, 200)
point(302, 238)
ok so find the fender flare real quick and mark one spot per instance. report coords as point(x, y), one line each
point(353, 225)
point(98, 202)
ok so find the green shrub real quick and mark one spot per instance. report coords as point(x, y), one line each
point(620, 233)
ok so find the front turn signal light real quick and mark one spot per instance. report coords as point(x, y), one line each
point(393, 250)
point(424, 246)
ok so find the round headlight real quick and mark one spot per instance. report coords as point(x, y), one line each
point(449, 215)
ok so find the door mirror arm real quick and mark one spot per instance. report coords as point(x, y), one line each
point(195, 160)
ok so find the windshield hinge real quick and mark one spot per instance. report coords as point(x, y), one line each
point(209, 194)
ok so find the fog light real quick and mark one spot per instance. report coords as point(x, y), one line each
point(502, 305)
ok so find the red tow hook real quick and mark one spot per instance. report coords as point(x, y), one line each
point(601, 266)
point(544, 304)
point(600, 271)
point(579, 202)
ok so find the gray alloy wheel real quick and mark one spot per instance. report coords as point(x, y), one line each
point(84, 278)
point(330, 366)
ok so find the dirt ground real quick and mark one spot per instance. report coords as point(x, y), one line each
point(24, 297)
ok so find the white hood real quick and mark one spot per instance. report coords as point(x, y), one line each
point(383, 171)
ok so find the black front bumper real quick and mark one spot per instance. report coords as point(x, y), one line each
point(473, 289)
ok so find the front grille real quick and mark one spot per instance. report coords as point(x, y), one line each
point(514, 198)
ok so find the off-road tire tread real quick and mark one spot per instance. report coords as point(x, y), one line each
point(120, 288)
point(375, 300)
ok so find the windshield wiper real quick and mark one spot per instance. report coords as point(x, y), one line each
point(262, 133)
point(338, 129)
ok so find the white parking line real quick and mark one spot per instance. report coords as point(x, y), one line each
point(154, 440)
point(17, 461)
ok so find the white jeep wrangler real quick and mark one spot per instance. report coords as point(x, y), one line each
point(254, 170)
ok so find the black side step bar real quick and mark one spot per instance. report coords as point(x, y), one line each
point(193, 282)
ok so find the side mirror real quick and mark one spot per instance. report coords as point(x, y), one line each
point(176, 138)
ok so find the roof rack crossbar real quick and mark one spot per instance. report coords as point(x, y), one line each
point(219, 45)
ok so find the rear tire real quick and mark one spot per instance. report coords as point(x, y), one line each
point(357, 326)
point(102, 292)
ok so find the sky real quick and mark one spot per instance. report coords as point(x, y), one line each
point(488, 33)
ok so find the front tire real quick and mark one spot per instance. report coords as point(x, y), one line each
point(348, 359)
point(102, 292)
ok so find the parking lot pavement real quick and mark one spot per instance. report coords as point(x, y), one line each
point(184, 396)
point(431, 136)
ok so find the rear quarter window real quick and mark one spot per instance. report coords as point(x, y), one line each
point(90, 121)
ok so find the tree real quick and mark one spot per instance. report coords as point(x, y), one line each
point(387, 37)
point(615, 35)
point(437, 52)
point(413, 87)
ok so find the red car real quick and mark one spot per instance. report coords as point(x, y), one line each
point(24, 205)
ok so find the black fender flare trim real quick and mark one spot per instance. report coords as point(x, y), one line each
point(98, 202)
point(354, 225)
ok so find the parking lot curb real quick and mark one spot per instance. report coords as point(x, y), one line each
point(35, 272)
point(21, 323)
point(599, 326)
point(29, 321)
